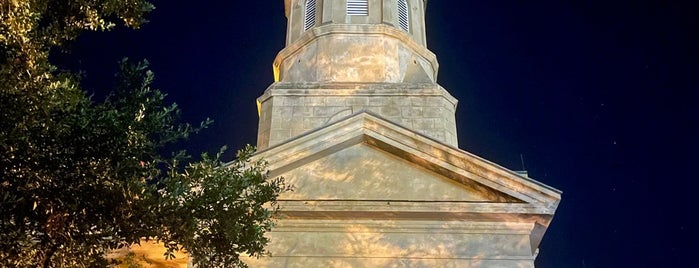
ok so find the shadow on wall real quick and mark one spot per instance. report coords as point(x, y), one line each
point(362, 172)
point(349, 237)
point(395, 244)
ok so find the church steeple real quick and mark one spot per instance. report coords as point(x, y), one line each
point(356, 121)
point(346, 56)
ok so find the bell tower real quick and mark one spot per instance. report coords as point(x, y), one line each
point(346, 56)
point(356, 121)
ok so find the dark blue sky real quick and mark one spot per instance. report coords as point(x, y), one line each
point(600, 97)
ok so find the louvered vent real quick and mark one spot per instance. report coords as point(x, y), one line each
point(357, 8)
point(310, 18)
point(403, 15)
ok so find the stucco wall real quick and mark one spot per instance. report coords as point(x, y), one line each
point(289, 110)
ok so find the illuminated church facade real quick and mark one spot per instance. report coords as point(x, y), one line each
point(356, 121)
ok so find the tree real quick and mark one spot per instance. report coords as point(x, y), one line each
point(79, 178)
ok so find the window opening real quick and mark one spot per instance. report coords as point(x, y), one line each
point(357, 8)
point(403, 21)
point(310, 16)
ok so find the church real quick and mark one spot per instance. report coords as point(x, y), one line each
point(356, 121)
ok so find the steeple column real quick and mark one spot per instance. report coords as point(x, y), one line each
point(347, 56)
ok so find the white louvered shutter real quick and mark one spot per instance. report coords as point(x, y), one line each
point(310, 16)
point(403, 19)
point(357, 8)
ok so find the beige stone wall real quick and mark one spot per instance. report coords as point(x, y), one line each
point(347, 64)
point(397, 243)
point(356, 53)
point(289, 110)
point(361, 172)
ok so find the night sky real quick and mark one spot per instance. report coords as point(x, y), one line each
point(598, 97)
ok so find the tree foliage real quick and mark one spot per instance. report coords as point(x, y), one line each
point(79, 178)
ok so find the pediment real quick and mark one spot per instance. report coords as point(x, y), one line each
point(366, 167)
point(362, 172)
point(364, 157)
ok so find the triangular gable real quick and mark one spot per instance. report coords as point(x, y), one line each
point(472, 172)
point(483, 191)
point(363, 172)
